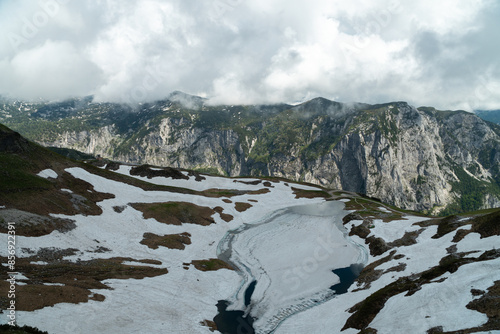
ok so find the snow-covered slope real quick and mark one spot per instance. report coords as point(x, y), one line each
point(158, 259)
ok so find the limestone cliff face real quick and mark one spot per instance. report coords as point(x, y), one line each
point(418, 159)
point(100, 141)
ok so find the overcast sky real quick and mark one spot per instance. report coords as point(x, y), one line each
point(442, 53)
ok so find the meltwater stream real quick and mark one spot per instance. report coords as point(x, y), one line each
point(291, 260)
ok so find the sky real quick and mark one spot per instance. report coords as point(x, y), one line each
point(429, 53)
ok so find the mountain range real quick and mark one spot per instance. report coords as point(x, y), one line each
point(423, 159)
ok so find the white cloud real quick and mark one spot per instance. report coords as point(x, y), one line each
point(440, 53)
point(53, 70)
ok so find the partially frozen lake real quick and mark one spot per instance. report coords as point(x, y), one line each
point(291, 254)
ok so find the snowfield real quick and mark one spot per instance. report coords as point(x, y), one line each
point(288, 245)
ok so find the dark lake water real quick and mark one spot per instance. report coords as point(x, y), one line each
point(232, 322)
point(249, 292)
point(235, 322)
point(347, 277)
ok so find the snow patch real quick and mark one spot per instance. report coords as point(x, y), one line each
point(47, 173)
point(430, 306)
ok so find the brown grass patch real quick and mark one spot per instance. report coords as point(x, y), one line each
point(33, 225)
point(226, 200)
point(408, 239)
point(367, 211)
point(210, 324)
point(445, 225)
point(211, 265)
point(361, 230)
point(489, 304)
point(149, 261)
point(224, 216)
point(21, 188)
point(217, 193)
point(368, 331)
point(241, 206)
point(253, 183)
point(113, 165)
point(119, 208)
point(369, 274)
point(485, 224)
point(52, 200)
point(258, 192)
point(365, 311)
point(197, 176)
point(301, 193)
point(377, 246)
point(352, 216)
point(97, 297)
point(176, 213)
point(77, 279)
point(147, 171)
point(37, 296)
point(231, 192)
point(172, 241)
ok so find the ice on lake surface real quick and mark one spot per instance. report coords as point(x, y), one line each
point(291, 254)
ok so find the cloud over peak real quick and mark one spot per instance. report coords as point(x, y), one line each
point(237, 51)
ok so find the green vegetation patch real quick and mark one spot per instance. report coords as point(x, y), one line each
point(445, 114)
point(71, 154)
point(209, 170)
point(471, 193)
point(211, 265)
point(21, 188)
point(17, 174)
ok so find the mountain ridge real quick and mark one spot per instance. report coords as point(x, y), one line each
point(416, 158)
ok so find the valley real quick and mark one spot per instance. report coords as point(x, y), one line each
point(165, 250)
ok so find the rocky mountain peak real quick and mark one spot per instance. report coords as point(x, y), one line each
point(417, 158)
point(186, 100)
point(12, 142)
